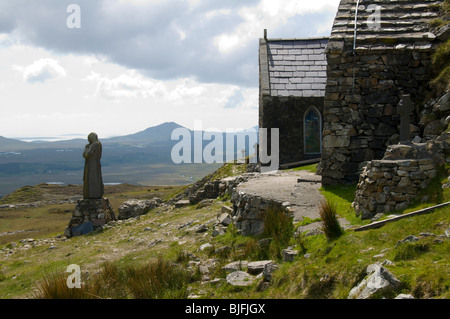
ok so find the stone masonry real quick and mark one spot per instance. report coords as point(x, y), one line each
point(89, 215)
point(366, 76)
point(394, 182)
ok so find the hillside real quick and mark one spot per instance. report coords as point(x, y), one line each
point(184, 236)
point(142, 158)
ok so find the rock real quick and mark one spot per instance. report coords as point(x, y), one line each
point(404, 296)
point(225, 219)
point(226, 210)
point(134, 208)
point(205, 246)
point(201, 228)
point(257, 267)
point(204, 203)
point(217, 231)
point(224, 250)
point(379, 279)
point(239, 278)
point(434, 128)
point(268, 271)
point(235, 266)
point(408, 239)
point(289, 254)
point(443, 104)
point(182, 203)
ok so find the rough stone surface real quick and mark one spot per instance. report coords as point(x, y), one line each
point(88, 215)
point(379, 279)
point(133, 207)
point(240, 278)
point(365, 79)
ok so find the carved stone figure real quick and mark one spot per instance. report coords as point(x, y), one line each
point(93, 187)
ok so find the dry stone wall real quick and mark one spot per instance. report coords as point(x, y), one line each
point(249, 211)
point(394, 182)
point(361, 116)
point(387, 185)
point(373, 59)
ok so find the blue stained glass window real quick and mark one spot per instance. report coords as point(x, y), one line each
point(312, 131)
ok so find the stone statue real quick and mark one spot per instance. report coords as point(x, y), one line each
point(92, 179)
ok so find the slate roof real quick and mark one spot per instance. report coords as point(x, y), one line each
point(401, 24)
point(293, 67)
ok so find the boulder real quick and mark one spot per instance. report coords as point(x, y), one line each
point(240, 278)
point(134, 208)
point(379, 279)
point(257, 267)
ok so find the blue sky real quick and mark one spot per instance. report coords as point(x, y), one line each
point(138, 63)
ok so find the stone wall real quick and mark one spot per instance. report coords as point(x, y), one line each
point(362, 120)
point(391, 185)
point(374, 57)
point(394, 182)
point(249, 211)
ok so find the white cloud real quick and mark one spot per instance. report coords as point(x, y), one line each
point(269, 14)
point(41, 70)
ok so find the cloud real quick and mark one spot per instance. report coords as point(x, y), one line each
point(125, 86)
point(41, 70)
point(209, 41)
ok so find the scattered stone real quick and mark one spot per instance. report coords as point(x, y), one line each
point(134, 208)
point(216, 281)
point(240, 278)
point(379, 279)
point(235, 266)
point(201, 228)
point(404, 296)
point(257, 267)
point(205, 246)
point(154, 242)
point(408, 239)
point(217, 231)
point(225, 219)
point(269, 270)
point(289, 254)
point(204, 203)
point(224, 250)
point(182, 203)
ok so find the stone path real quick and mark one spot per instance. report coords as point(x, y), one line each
point(299, 188)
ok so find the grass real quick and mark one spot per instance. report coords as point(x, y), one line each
point(330, 224)
point(159, 279)
point(117, 262)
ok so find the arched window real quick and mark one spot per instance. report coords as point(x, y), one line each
point(312, 131)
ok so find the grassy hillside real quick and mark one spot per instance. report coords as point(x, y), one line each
point(130, 251)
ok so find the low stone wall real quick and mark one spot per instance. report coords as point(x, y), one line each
point(249, 211)
point(390, 185)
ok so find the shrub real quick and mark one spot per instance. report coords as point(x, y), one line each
point(330, 223)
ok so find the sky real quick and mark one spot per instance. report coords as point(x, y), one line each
point(117, 67)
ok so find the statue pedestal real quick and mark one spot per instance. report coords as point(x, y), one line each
point(89, 215)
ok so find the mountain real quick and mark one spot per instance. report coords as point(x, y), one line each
point(142, 158)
